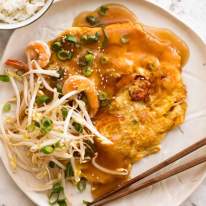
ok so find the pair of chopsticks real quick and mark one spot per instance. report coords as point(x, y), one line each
point(124, 189)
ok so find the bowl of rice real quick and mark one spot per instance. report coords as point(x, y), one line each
point(18, 13)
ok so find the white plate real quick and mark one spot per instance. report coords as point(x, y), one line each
point(170, 192)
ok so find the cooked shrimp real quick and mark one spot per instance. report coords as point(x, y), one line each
point(81, 83)
point(39, 51)
point(17, 64)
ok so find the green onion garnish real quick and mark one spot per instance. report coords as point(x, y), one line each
point(64, 112)
point(61, 73)
point(78, 127)
point(61, 197)
point(87, 71)
point(31, 127)
point(106, 38)
point(92, 20)
point(103, 98)
point(89, 58)
point(47, 149)
point(69, 170)
point(71, 39)
point(53, 197)
point(86, 60)
point(104, 59)
point(46, 125)
point(57, 46)
point(124, 39)
point(62, 203)
point(87, 203)
point(103, 10)
point(7, 107)
point(4, 78)
point(81, 185)
point(59, 87)
point(57, 187)
point(42, 99)
point(51, 164)
point(93, 38)
point(64, 55)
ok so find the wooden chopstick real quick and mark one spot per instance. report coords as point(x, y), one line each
point(153, 180)
point(154, 169)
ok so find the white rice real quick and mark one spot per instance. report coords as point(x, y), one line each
point(12, 11)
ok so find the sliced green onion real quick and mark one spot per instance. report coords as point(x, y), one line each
point(102, 95)
point(90, 148)
point(89, 58)
point(31, 127)
point(59, 87)
point(81, 185)
point(7, 107)
point(93, 38)
point(87, 71)
point(64, 112)
point(64, 55)
point(61, 73)
point(61, 196)
point(53, 197)
point(51, 164)
point(42, 99)
point(57, 187)
point(62, 203)
point(124, 39)
point(103, 10)
point(106, 38)
point(57, 46)
point(104, 59)
point(103, 98)
point(46, 125)
point(78, 127)
point(84, 38)
point(87, 203)
point(47, 149)
point(4, 78)
point(37, 124)
point(92, 20)
point(71, 39)
point(69, 170)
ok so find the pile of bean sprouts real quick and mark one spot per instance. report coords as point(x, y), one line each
point(25, 139)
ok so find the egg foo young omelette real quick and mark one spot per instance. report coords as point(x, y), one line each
point(95, 100)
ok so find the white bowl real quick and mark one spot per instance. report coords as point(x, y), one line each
point(29, 20)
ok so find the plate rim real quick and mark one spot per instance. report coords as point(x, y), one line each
point(170, 15)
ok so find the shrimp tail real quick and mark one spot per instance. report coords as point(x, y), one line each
point(17, 64)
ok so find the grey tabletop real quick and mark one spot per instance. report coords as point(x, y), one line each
point(192, 12)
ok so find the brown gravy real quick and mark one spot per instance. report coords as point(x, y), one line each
point(107, 158)
point(118, 14)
